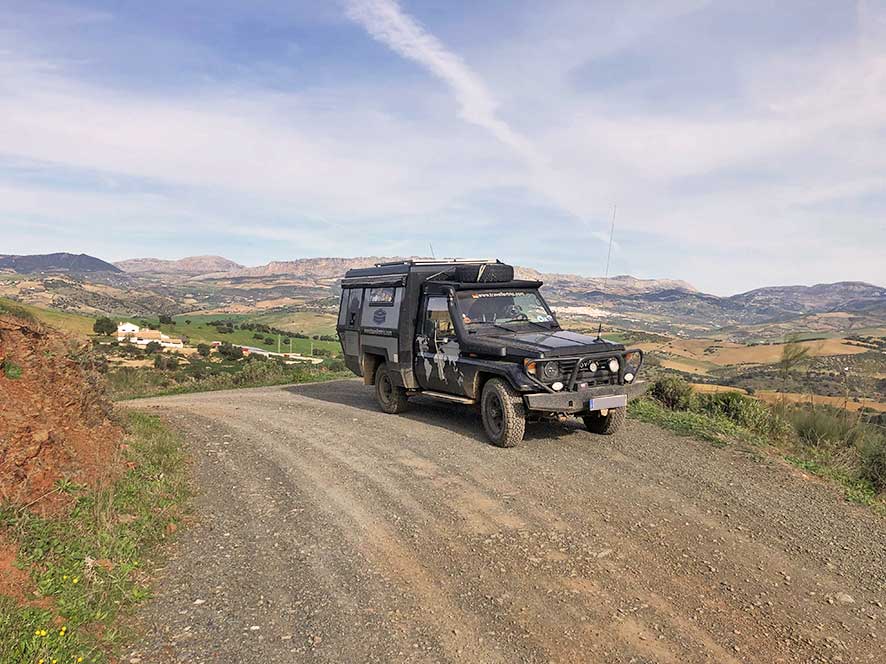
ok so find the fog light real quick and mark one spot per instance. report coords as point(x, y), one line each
point(629, 377)
point(557, 386)
point(613, 365)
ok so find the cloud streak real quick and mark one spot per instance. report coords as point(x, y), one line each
point(387, 23)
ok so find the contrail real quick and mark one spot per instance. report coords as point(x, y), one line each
point(386, 22)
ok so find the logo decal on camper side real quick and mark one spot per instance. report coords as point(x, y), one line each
point(379, 316)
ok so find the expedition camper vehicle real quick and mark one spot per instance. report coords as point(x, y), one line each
point(466, 331)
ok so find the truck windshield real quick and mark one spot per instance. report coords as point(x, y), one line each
point(503, 306)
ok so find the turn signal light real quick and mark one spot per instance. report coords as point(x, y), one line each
point(529, 366)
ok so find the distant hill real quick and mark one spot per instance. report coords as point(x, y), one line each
point(330, 269)
point(61, 262)
point(190, 266)
point(840, 296)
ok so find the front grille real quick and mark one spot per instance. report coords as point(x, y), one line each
point(600, 377)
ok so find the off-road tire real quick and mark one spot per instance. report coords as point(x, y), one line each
point(501, 409)
point(390, 397)
point(606, 424)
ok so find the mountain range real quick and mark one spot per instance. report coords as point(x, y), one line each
point(215, 284)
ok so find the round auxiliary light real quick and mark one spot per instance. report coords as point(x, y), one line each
point(592, 367)
point(613, 365)
point(557, 386)
point(629, 377)
point(551, 370)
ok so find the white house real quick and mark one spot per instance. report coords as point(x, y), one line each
point(125, 330)
point(135, 335)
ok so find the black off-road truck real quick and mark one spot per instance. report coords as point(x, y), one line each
point(466, 331)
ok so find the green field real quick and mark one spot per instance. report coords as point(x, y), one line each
point(74, 323)
point(308, 322)
point(199, 331)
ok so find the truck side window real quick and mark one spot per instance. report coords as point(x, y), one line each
point(437, 317)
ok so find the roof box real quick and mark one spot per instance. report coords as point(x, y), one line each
point(484, 273)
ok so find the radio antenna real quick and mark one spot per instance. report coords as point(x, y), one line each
point(431, 246)
point(606, 276)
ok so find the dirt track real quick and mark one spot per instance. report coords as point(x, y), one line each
point(331, 532)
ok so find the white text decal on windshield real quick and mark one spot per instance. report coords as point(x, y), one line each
point(499, 294)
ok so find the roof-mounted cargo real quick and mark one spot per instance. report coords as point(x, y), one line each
point(456, 270)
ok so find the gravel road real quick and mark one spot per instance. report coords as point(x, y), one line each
point(328, 531)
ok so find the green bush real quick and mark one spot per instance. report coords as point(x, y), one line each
point(744, 411)
point(104, 325)
point(872, 457)
point(10, 369)
point(823, 425)
point(672, 392)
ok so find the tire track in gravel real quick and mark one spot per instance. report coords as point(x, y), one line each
point(426, 544)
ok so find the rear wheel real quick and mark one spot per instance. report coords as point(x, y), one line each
point(606, 424)
point(391, 397)
point(501, 409)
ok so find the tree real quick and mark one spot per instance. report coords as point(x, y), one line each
point(793, 354)
point(104, 326)
point(204, 350)
point(229, 351)
point(153, 347)
point(166, 320)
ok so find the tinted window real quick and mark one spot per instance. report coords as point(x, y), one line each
point(381, 296)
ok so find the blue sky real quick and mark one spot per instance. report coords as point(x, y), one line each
point(744, 143)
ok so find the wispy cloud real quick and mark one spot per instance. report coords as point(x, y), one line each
point(390, 25)
point(466, 127)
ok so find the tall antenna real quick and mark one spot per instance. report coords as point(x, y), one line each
point(432, 250)
point(608, 258)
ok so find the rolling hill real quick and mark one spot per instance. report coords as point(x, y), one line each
point(53, 263)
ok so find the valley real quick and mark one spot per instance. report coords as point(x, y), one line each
point(732, 341)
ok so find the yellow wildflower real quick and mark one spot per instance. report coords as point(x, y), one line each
point(75, 579)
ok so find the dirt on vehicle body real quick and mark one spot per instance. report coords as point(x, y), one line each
point(468, 332)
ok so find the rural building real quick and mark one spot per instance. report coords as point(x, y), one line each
point(135, 335)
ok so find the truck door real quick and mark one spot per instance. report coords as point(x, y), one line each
point(437, 349)
point(349, 327)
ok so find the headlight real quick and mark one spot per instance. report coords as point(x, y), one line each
point(592, 367)
point(551, 370)
point(613, 365)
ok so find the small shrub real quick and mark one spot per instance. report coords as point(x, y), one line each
point(823, 425)
point(744, 411)
point(153, 347)
point(10, 369)
point(672, 392)
point(872, 457)
point(204, 350)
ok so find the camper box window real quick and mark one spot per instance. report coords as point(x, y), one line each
point(381, 297)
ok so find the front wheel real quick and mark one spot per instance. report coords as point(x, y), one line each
point(606, 424)
point(391, 397)
point(501, 409)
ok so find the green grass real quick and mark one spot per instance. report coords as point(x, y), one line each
point(713, 428)
point(199, 331)
point(827, 442)
point(134, 383)
point(88, 561)
point(308, 322)
point(74, 323)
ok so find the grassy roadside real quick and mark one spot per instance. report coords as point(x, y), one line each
point(832, 444)
point(85, 565)
point(125, 384)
